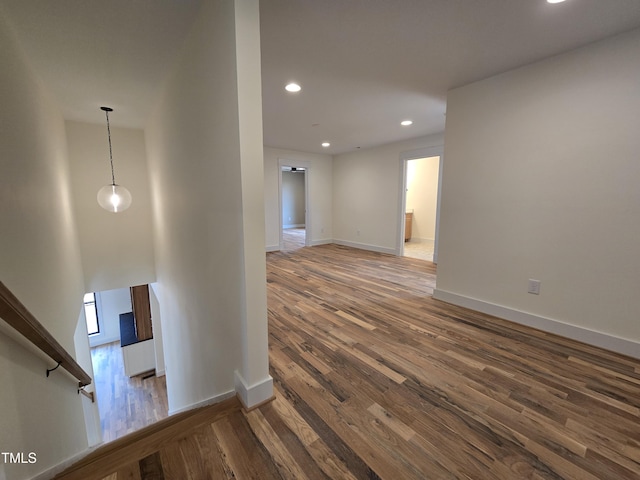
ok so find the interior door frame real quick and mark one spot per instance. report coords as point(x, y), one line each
point(282, 163)
point(428, 152)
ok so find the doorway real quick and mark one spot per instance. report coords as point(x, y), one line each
point(420, 204)
point(127, 359)
point(293, 207)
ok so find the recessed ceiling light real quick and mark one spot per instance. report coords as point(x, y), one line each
point(406, 123)
point(326, 144)
point(555, 1)
point(293, 88)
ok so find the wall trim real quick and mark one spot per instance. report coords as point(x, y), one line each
point(205, 403)
point(62, 466)
point(312, 243)
point(574, 332)
point(365, 246)
point(324, 241)
point(253, 395)
point(420, 240)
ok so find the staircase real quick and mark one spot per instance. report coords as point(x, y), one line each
point(162, 450)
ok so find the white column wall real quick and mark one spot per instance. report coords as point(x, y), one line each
point(211, 285)
point(253, 382)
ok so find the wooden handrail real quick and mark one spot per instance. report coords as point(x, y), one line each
point(16, 314)
point(90, 395)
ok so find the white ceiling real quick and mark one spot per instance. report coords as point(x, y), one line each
point(364, 65)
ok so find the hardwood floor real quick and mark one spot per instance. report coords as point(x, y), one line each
point(125, 404)
point(293, 238)
point(375, 379)
point(422, 249)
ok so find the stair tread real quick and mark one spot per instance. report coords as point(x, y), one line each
point(139, 444)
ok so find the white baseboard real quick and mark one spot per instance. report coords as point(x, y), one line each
point(324, 241)
point(253, 395)
point(293, 225)
point(574, 332)
point(421, 240)
point(205, 403)
point(365, 246)
point(51, 472)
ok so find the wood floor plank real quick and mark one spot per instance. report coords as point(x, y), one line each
point(293, 459)
point(203, 456)
point(474, 362)
point(374, 379)
point(355, 463)
point(246, 456)
point(130, 472)
point(125, 404)
point(131, 448)
point(173, 465)
point(384, 442)
point(151, 467)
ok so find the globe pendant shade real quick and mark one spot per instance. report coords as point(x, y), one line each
point(114, 198)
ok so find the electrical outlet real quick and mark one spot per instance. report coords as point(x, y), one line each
point(534, 286)
point(358, 233)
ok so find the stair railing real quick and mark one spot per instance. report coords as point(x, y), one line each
point(17, 316)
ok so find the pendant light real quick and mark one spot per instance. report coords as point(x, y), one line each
point(113, 198)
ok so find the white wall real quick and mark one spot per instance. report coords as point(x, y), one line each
point(156, 321)
point(293, 199)
point(198, 154)
point(40, 264)
point(253, 383)
point(83, 357)
point(367, 194)
point(319, 210)
point(540, 181)
point(117, 249)
point(110, 303)
point(422, 196)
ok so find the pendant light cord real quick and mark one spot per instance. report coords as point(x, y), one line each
point(113, 198)
point(113, 177)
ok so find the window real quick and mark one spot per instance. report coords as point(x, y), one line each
point(91, 313)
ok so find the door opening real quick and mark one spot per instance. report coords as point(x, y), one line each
point(127, 358)
point(420, 206)
point(293, 203)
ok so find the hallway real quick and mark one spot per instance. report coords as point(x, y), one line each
point(373, 378)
